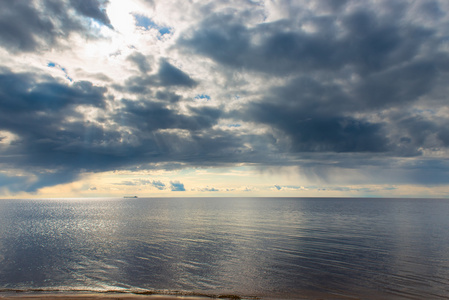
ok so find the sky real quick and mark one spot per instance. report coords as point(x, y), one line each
point(277, 98)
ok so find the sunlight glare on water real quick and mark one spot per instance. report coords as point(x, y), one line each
point(266, 247)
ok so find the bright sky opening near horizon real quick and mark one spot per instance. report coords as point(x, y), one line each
point(224, 98)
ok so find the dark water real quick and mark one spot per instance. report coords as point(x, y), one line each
point(266, 247)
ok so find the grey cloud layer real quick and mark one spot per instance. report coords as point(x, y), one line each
point(358, 82)
point(31, 25)
point(394, 67)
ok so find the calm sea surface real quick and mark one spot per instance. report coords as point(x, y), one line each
point(265, 247)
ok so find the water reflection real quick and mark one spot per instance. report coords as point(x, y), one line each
point(386, 248)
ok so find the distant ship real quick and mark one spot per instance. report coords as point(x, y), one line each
point(130, 197)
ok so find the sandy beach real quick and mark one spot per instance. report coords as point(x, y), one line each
point(307, 295)
point(92, 296)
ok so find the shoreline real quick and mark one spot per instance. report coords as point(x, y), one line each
point(113, 295)
point(310, 295)
point(100, 296)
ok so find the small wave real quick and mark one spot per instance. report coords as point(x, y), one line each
point(121, 291)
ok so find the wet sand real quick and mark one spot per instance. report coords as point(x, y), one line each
point(122, 296)
point(92, 296)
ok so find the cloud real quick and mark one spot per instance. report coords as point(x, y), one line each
point(54, 65)
point(400, 86)
point(351, 189)
point(144, 182)
point(176, 186)
point(167, 95)
point(211, 189)
point(324, 86)
point(22, 26)
point(169, 75)
point(289, 188)
point(146, 115)
point(13, 183)
point(37, 112)
point(207, 189)
point(93, 9)
point(22, 93)
point(158, 184)
point(140, 61)
point(147, 23)
point(44, 178)
point(38, 25)
point(310, 131)
point(313, 42)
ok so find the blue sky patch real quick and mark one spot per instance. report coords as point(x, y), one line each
point(147, 23)
point(202, 96)
point(55, 65)
point(164, 30)
point(143, 21)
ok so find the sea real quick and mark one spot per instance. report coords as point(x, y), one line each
point(249, 248)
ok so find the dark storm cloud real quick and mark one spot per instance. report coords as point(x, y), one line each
point(168, 96)
point(56, 143)
point(313, 113)
point(352, 90)
point(167, 135)
point(318, 117)
point(148, 116)
point(22, 93)
point(36, 110)
point(420, 132)
point(430, 172)
point(167, 76)
point(443, 135)
point(140, 61)
point(13, 183)
point(22, 27)
point(93, 9)
point(33, 25)
point(310, 116)
point(402, 85)
point(341, 79)
point(322, 133)
point(373, 43)
point(368, 43)
point(50, 179)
